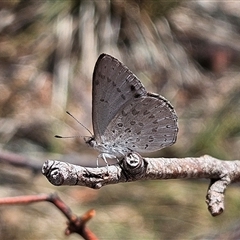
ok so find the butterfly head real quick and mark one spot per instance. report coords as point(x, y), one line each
point(90, 141)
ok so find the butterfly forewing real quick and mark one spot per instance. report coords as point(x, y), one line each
point(113, 86)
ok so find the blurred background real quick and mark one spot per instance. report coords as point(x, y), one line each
point(187, 51)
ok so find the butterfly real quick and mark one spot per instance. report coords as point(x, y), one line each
point(126, 118)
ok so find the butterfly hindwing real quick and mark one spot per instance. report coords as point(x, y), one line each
point(146, 124)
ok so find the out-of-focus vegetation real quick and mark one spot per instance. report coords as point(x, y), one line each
point(187, 51)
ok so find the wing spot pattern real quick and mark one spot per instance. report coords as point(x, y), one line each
point(123, 96)
point(120, 124)
point(128, 130)
point(133, 88)
point(135, 112)
point(154, 129)
point(101, 76)
point(132, 122)
point(151, 138)
point(146, 112)
point(137, 95)
point(146, 146)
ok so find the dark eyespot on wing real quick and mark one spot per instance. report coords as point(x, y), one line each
point(133, 88)
point(137, 95)
point(135, 112)
point(123, 96)
point(154, 129)
point(150, 139)
point(127, 130)
point(146, 112)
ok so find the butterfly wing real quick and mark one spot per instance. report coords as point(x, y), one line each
point(145, 124)
point(113, 86)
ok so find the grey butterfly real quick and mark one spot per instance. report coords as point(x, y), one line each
point(126, 118)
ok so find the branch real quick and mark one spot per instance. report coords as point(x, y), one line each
point(134, 167)
point(75, 225)
point(18, 160)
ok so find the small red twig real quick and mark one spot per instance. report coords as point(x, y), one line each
point(23, 199)
point(75, 224)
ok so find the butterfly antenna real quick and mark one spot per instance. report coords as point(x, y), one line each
point(79, 122)
point(59, 136)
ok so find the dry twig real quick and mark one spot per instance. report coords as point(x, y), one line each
point(134, 167)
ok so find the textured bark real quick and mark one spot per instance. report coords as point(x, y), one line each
point(134, 167)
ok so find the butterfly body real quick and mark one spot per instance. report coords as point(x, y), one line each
point(108, 149)
point(126, 118)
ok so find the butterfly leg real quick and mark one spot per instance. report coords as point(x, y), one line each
point(103, 156)
point(97, 161)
